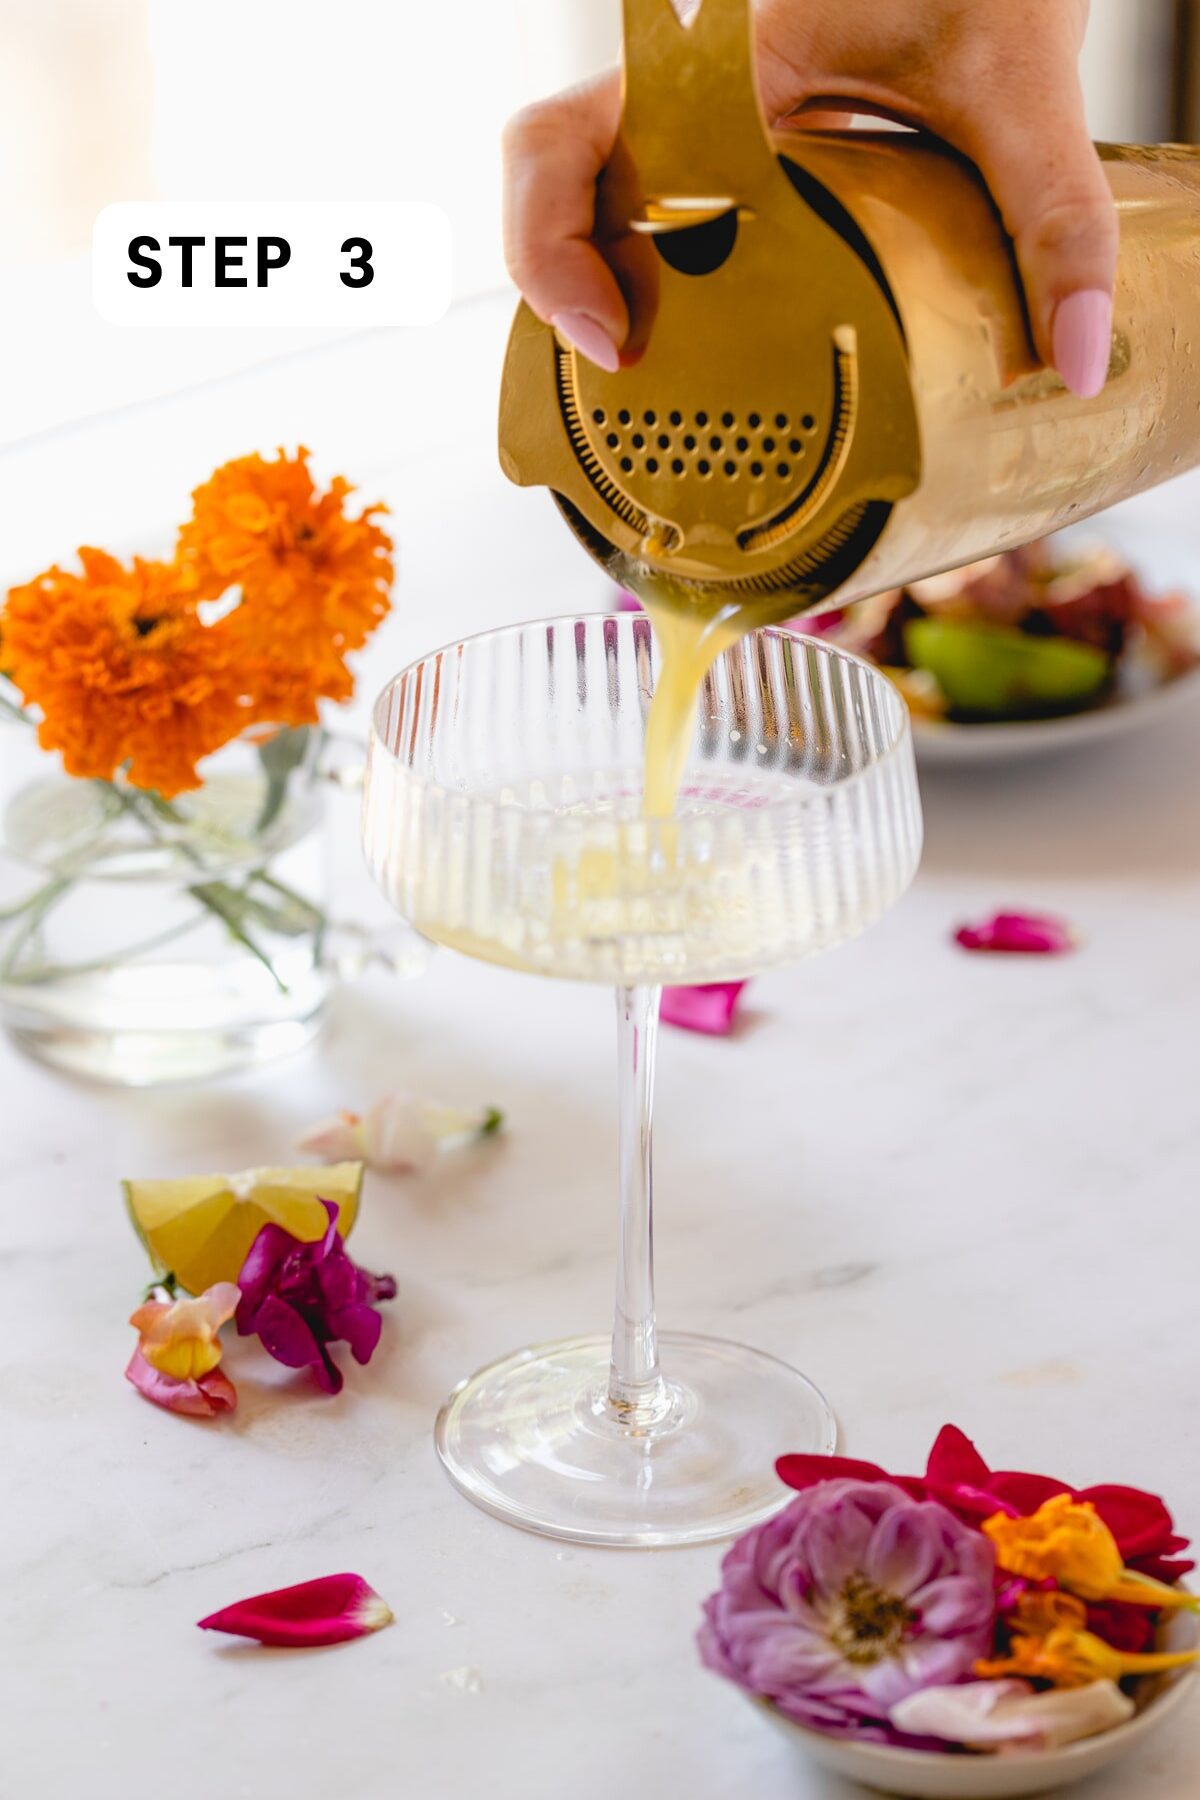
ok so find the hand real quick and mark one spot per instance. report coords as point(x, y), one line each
point(998, 80)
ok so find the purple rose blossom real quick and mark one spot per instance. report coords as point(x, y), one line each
point(847, 1601)
point(299, 1298)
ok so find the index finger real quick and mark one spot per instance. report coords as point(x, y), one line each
point(553, 153)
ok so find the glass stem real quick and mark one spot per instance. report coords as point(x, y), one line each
point(636, 1389)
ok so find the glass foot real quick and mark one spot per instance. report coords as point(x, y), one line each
point(533, 1439)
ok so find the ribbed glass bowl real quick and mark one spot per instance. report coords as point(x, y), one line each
point(504, 792)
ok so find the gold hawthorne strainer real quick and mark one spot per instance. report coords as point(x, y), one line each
point(762, 425)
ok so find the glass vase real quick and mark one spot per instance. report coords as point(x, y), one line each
point(145, 940)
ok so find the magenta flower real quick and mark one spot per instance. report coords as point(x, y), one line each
point(708, 1007)
point(1022, 934)
point(849, 1600)
point(299, 1298)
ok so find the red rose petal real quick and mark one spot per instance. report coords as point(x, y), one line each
point(805, 1471)
point(330, 1610)
point(1140, 1522)
point(954, 1460)
point(957, 1476)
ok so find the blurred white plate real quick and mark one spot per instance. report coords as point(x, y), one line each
point(1165, 555)
point(944, 745)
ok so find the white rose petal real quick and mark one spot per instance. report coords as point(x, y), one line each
point(1000, 1715)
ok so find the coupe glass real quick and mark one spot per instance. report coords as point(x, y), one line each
point(503, 818)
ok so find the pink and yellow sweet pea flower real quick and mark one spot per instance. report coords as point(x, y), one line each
point(175, 1363)
point(1066, 1541)
point(179, 1337)
point(399, 1135)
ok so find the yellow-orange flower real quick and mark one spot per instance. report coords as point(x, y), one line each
point(313, 581)
point(1067, 1541)
point(121, 669)
point(179, 1337)
point(1070, 1658)
point(1038, 1612)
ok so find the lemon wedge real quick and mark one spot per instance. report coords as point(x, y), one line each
point(199, 1228)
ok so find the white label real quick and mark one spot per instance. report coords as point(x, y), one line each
point(216, 262)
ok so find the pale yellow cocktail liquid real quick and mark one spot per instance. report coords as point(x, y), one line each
point(689, 642)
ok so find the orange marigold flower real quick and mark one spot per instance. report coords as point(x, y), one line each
point(314, 582)
point(122, 670)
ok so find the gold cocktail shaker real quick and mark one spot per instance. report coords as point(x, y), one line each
point(830, 385)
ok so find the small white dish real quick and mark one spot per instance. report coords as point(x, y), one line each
point(943, 745)
point(928, 1775)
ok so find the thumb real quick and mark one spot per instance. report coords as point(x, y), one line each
point(1045, 176)
point(553, 152)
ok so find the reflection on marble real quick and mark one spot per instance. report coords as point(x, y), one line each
point(945, 1186)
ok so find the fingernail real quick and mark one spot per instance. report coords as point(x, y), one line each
point(1083, 340)
point(589, 338)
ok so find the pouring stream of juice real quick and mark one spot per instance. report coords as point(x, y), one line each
point(689, 643)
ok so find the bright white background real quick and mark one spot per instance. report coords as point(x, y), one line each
point(106, 100)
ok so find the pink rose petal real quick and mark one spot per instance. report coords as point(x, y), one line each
point(708, 1007)
point(1030, 934)
point(202, 1399)
point(330, 1610)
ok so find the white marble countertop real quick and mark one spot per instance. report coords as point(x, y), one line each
point(946, 1187)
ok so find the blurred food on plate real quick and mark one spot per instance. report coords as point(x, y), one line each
point(1036, 633)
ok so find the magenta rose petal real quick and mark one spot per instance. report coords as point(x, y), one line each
point(837, 1543)
point(902, 1554)
point(944, 1604)
point(708, 1008)
point(287, 1337)
point(359, 1326)
point(1021, 934)
point(330, 1610)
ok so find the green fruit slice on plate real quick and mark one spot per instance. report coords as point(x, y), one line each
point(199, 1228)
point(995, 672)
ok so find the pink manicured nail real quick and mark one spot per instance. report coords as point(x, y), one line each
point(1083, 340)
point(589, 338)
